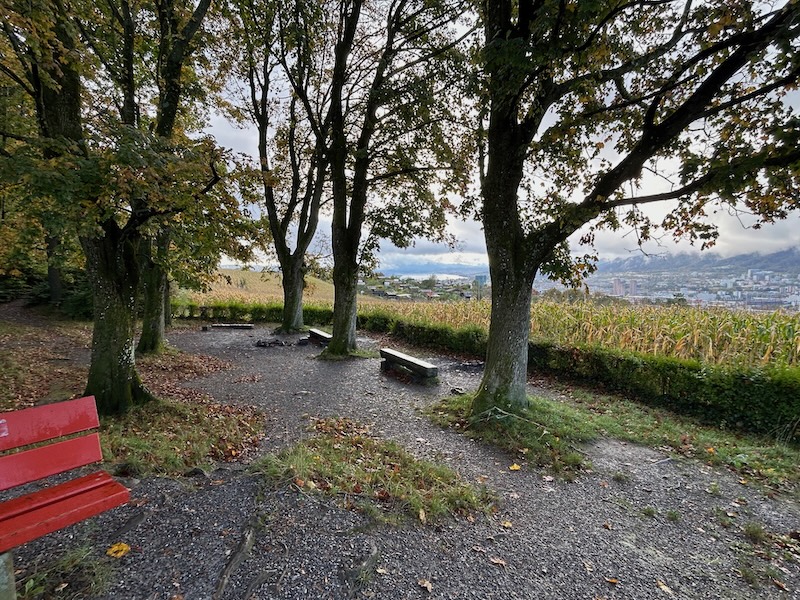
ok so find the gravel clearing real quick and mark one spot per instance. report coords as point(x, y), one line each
point(641, 525)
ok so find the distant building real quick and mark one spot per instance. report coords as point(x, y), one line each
point(617, 287)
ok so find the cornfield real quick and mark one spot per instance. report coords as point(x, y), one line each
point(713, 336)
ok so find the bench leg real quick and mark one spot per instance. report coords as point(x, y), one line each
point(7, 585)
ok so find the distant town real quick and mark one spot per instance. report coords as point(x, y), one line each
point(746, 282)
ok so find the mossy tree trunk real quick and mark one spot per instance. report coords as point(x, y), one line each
point(345, 305)
point(154, 288)
point(504, 384)
point(294, 282)
point(111, 262)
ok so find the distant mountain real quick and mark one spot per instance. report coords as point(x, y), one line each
point(785, 261)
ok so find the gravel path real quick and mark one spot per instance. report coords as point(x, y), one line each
point(226, 536)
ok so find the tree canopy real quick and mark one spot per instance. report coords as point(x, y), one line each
point(595, 110)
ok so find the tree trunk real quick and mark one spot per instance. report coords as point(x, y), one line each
point(55, 281)
point(504, 383)
point(345, 283)
point(293, 273)
point(513, 263)
point(167, 305)
point(154, 286)
point(113, 272)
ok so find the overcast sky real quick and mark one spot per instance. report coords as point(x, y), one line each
point(736, 237)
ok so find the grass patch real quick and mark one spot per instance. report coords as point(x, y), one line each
point(755, 533)
point(375, 476)
point(166, 437)
point(550, 433)
point(751, 456)
point(77, 574)
point(546, 433)
point(673, 516)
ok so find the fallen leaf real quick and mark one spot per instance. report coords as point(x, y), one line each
point(61, 587)
point(548, 478)
point(778, 583)
point(603, 484)
point(299, 482)
point(381, 571)
point(608, 526)
point(664, 587)
point(514, 467)
point(587, 564)
point(743, 481)
point(496, 560)
point(612, 580)
point(507, 524)
point(711, 450)
point(118, 550)
point(422, 517)
point(311, 485)
point(424, 583)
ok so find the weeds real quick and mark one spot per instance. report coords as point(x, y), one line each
point(378, 477)
point(755, 533)
point(77, 574)
point(169, 438)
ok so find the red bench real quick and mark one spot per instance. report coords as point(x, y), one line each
point(33, 515)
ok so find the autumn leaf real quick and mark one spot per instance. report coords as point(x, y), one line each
point(612, 580)
point(422, 516)
point(514, 467)
point(664, 587)
point(424, 583)
point(507, 524)
point(118, 550)
point(496, 560)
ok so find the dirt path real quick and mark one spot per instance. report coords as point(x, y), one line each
point(588, 539)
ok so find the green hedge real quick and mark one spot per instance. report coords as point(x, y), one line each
point(757, 400)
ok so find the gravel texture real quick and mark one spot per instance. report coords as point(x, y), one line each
point(226, 535)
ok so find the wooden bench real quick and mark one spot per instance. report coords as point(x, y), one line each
point(38, 513)
point(319, 336)
point(232, 326)
point(422, 369)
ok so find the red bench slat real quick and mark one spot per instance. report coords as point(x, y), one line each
point(38, 463)
point(49, 421)
point(28, 517)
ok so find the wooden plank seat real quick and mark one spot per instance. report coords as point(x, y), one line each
point(38, 513)
point(422, 369)
point(319, 336)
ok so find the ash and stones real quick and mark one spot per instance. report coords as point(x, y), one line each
point(224, 535)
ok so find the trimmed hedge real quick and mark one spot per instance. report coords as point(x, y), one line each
point(758, 400)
